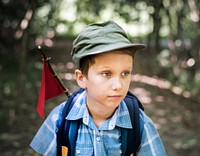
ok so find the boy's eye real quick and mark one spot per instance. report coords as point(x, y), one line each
point(125, 73)
point(106, 74)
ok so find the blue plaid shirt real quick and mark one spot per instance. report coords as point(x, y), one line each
point(93, 141)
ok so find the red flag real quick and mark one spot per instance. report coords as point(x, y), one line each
point(49, 87)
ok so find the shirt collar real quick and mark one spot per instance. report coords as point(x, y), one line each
point(120, 118)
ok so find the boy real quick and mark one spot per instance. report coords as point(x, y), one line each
point(105, 58)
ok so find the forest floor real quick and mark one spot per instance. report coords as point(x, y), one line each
point(175, 114)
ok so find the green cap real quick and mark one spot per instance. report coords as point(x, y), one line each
point(100, 38)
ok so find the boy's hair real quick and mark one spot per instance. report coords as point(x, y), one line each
point(89, 60)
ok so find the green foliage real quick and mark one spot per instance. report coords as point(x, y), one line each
point(171, 30)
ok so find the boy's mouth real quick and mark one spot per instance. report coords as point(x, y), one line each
point(115, 96)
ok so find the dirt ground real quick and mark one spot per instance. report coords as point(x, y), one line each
point(176, 116)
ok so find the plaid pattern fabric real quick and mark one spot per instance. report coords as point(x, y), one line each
point(93, 141)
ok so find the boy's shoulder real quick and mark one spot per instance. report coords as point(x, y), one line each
point(56, 114)
point(58, 109)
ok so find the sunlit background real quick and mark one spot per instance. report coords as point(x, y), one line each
point(166, 75)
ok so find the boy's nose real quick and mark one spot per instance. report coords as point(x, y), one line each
point(116, 83)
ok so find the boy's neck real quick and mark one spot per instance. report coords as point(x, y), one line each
point(99, 116)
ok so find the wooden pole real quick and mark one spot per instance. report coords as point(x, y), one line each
point(66, 91)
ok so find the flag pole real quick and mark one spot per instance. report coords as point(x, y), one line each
point(66, 91)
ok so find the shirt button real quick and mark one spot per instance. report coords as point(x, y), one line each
point(98, 138)
point(78, 151)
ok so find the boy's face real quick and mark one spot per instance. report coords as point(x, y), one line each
point(108, 79)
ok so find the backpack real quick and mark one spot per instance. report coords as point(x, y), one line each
point(131, 138)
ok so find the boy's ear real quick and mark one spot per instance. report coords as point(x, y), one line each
point(80, 78)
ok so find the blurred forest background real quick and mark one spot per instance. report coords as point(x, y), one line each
point(166, 77)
